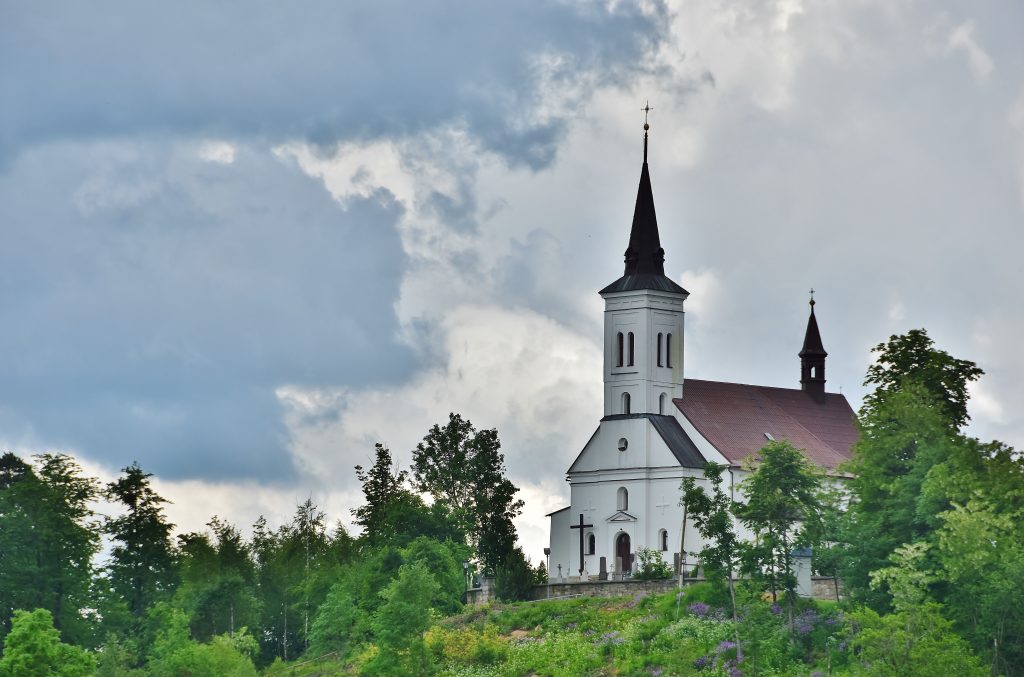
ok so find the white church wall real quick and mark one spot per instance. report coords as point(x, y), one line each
point(559, 544)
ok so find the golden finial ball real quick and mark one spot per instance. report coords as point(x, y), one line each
point(646, 126)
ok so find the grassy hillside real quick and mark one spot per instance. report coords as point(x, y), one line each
point(658, 635)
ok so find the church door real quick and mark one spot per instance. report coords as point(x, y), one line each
point(622, 552)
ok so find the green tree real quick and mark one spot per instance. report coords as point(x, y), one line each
point(175, 653)
point(712, 515)
point(48, 537)
point(903, 437)
point(913, 357)
point(463, 469)
point(400, 622)
point(979, 556)
point(784, 511)
point(33, 648)
point(393, 514)
point(337, 623)
point(142, 568)
point(217, 581)
point(514, 579)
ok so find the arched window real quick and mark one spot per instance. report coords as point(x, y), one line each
point(661, 403)
point(625, 403)
point(663, 540)
point(668, 350)
point(618, 361)
point(591, 544)
point(660, 338)
point(623, 499)
point(631, 344)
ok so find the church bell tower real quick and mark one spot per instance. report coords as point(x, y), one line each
point(643, 320)
point(812, 359)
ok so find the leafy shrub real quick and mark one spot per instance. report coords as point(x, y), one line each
point(651, 566)
point(914, 641)
point(466, 646)
point(712, 595)
point(33, 647)
point(514, 579)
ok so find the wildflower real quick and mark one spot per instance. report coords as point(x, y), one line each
point(776, 609)
point(805, 622)
point(702, 662)
point(725, 646)
point(699, 609)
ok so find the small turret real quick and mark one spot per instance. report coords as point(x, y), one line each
point(812, 359)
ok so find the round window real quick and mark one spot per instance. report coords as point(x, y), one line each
point(623, 444)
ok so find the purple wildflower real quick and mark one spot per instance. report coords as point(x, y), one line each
point(612, 637)
point(725, 646)
point(817, 673)
point(776, 609)
point(655, 672)
point(805, 622)
point(699, 609)
point(702, 662)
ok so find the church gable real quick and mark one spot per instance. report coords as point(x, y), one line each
point(637, 441)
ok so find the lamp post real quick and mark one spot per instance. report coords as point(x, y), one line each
point(547, 568)
point(465, 579)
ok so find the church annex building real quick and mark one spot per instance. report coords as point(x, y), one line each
point(659, 427)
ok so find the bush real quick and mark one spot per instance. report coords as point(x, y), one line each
point(514, 578)
point(651, 567)
point(33, 647)
point(465, 646)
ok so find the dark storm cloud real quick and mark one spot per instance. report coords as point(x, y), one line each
point(152, 302)
point(322, 71)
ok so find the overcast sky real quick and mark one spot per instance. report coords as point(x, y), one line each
point(242, 242)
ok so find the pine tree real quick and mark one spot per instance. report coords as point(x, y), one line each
point(142, 568)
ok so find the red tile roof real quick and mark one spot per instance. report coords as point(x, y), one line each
point(734, 418)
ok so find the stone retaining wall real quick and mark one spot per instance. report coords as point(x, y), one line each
point(821, 588)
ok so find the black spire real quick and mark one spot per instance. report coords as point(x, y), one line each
point(645, 259)
point(812, 359)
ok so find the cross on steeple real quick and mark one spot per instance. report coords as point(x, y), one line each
point(646, 109)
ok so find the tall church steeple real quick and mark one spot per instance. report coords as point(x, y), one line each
point(643, 364)
point(812, 359)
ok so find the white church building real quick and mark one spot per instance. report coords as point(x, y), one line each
point(659, 427)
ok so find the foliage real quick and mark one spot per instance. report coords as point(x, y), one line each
point(913, 357)
point(651, 566)
point(914, 641)
point(33, 648)
point(47, 540)
point(712, 516)
point(903, 437)
point(463, 469)
point(783, 509)
point(217, 581)
point(336, 623)
point(174, 653)
point(514, 579)
point(400, 622)
point(466, 646)
point(142, 567)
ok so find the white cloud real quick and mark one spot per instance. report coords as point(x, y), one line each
point(219, 152)
point(961, 39)
point(534, 380)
